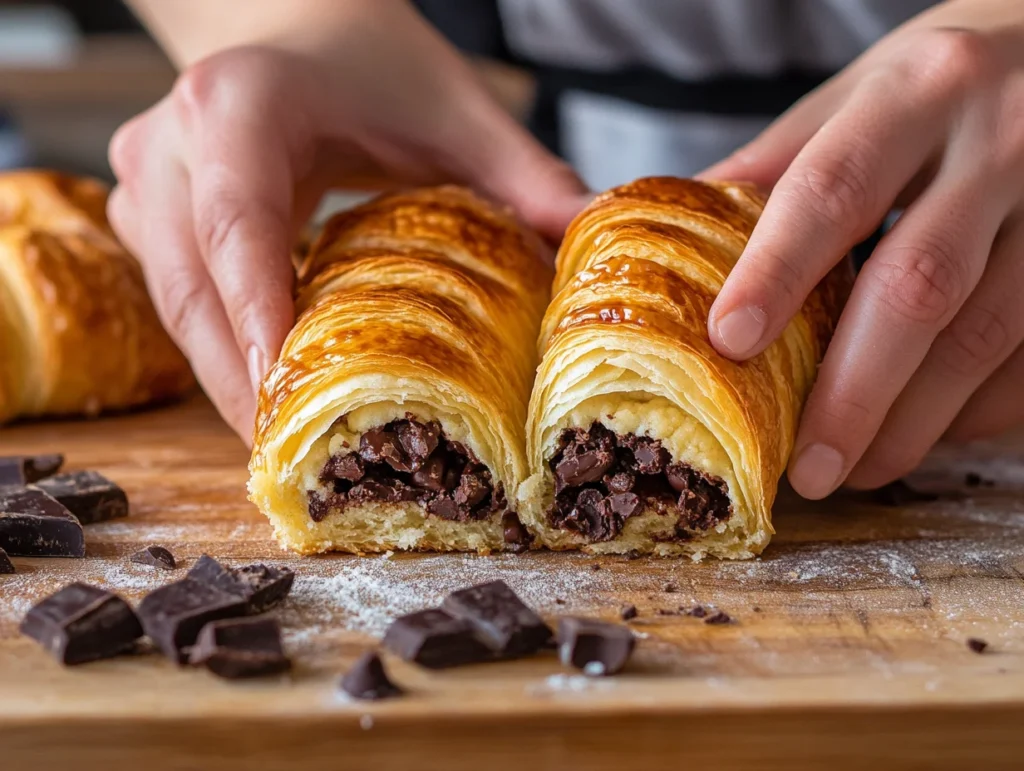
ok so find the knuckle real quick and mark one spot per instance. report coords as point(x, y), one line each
point(921, 283)
point(776, 279)
point(125, 150)
point(952, 59)
point(976, 340)
point(182, 297)
point(838, 189)
point(217, 225)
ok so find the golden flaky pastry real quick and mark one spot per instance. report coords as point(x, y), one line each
point(640, 435)
point(78, 334)
point(394, 417)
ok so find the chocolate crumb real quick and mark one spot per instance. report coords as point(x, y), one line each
point(628, 612)
point(633, 554)
point(697, 611)
point(756, 609)
point(977, 645)
point(721, 617)
point(670, 588)
point(667, 612)
point(155, 556)
point(559, 601)
point(6, 567)
point(595, 566)
point(972, 480)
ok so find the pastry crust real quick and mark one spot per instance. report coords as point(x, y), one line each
point(421, 305)
point(78, 333)
point(625, 345)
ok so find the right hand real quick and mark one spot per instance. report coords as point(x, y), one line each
point(216, 180)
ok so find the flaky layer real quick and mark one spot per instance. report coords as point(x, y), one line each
point(424, 303)
point(625, 343)
point(78, 334)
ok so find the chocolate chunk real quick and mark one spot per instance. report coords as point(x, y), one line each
point(155, 556)
point(596, 647)
point(697, 611)
point(430, 476)
point(517, 537)
point(418, 440)
point(583, 468)
point(348, 467)
point(446, 508)
point(623, 506)
point(380, 446)
point(320, 507)
point(21, 470)
point(82, 623)
point(260, 586)
point(88, 495)
point(471, 491)
point(628, 612)
point(648, 454)
point(721, 617)
point(6, 567)
point(435, 639)
point(977, 645)
point(32, 524)
point(238, 648)
point(500, 618)
point(367, 680)
point(173, 615)
point(390, 490)
point(620, 482)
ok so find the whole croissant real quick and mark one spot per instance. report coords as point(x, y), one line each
point(78, 333)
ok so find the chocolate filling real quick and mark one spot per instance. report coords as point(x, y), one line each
point(407, 460)
point(603, 478)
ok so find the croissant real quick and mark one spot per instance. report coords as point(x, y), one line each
point(78, 334)
point(640, 436)
point(394, 417)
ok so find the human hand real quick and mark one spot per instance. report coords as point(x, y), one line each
point(215, 181)
point(930, 120)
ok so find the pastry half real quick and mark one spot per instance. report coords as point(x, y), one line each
point(394, 418)
point(641, 437)
point(78, 333)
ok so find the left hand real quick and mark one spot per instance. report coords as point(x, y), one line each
point(930, 120)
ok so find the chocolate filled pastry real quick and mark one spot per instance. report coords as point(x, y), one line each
point(394, 417)
point(641, 437)
point(78, 334)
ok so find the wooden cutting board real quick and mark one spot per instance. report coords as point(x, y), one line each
point(848, 647)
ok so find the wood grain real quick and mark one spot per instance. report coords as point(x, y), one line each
point(848, 647)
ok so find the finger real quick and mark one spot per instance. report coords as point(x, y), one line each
point(908, 291)
point(985, 332)
point(994, 408)
point(241, 197)
point(159, 232)
point(765, 159)
point(834, 194)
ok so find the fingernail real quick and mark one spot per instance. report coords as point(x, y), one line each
point(258, 366)
point(740, 331)
point(817, 471)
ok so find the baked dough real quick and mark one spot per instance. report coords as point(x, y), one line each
point(78, 334)
point(394, 417)
point(656, 443)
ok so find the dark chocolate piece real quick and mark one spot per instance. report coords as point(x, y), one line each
point(5, 564)
point(21, 470)
point(367, 680)
point(435, 639)
point(517, 537)
point(721, 617)
point(32, 524)
point(238, 648)
point(82, 623)
point(155, 556)
point(500, 618)
point(173, 615)
point(670, 588)
point(628, 612)
point(261, 586)
point(596, 647)
point(697, 611)
point(977, 645)
point(88, 495)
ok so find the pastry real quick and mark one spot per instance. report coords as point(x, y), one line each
point(78, 334)
point(394, 417)
point(640, 436)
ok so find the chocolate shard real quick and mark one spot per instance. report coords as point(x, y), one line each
point(368, 680)
point(628, 612)
point(977, 645)
point(21, 470)
point(5, 564)
point(32, 524)
point(240, 648)
point(82, 623)
point(88, 495)
point(155, 556)
point(517, 537)
point(173, 615)
point(500, 618)
point(721, 617)
point(436, 640)
point(260, 586)
point(596, 647)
